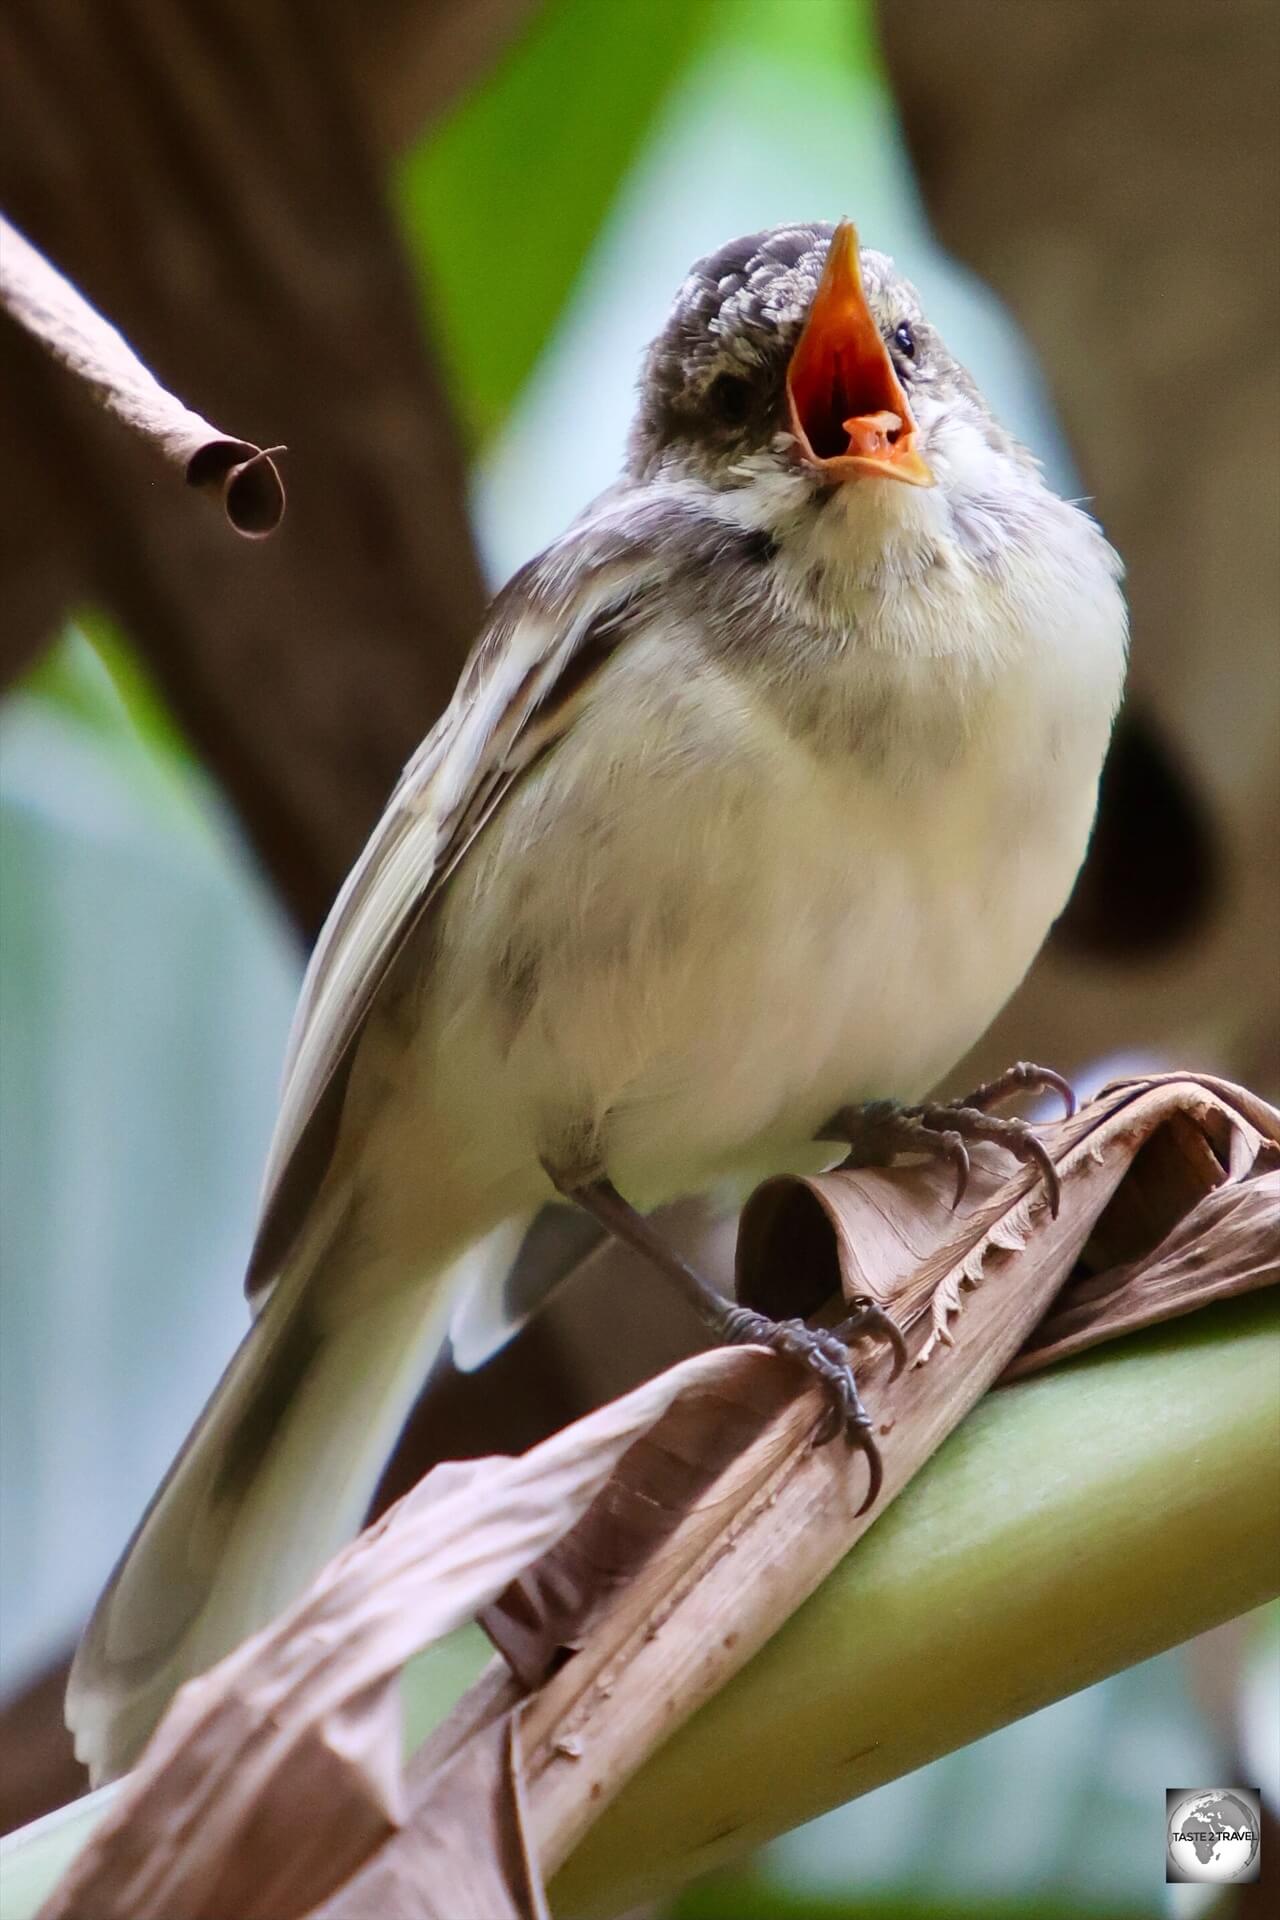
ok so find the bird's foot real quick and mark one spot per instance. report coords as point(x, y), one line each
point(869, 1320)
point(819, 1349)
point(881, 1130)
point(823, 1352)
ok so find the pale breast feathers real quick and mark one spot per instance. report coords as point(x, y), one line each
point(548, 634)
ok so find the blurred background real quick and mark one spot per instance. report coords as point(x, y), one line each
point(422, 243)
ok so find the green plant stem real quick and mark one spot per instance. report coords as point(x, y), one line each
point(1074, 1524)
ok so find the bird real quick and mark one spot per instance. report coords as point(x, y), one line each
point(757, 796)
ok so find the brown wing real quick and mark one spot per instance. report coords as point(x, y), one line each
point(549, 633)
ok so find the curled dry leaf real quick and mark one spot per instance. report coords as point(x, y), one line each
point(1228, 1244)
point(716, 1526)
point(307, 1712)
point(1176, 1139)
point(630, 1565)
point(244, 477)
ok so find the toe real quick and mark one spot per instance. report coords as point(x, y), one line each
point(948, 1145)
point(1024, 1077)
point(870, 1319)
point(822, 1352)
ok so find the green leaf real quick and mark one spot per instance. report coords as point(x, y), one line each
point(812, 33)
point(142, 703)
point(92, 675)
point(503, 201)
point(737, 1898)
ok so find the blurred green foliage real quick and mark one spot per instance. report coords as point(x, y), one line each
point(502, 201)
point(93, 676)
point(736, 1898)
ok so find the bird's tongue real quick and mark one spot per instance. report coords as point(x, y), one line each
point(848, 409)
point(872, 434)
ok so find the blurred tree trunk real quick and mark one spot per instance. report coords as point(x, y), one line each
point(1112, 172)
point(213, 179)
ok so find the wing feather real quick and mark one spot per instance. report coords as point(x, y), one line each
point(547, 635)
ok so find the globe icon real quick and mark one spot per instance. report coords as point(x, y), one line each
point(1213, 1836)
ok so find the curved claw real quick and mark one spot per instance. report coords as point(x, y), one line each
point(1023, 1077)
point(1051, 1082)
point(869, 1316)
point(861, 1437)
point(1038, 1152)
point(952, 1148)
point(1017, 1137)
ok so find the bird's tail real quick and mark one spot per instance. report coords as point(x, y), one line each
point(274, 1478)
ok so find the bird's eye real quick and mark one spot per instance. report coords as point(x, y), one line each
point(729, 399)
point(904, 339)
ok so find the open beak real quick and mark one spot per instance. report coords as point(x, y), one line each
point(848, 410)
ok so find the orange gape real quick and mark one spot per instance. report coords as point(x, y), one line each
point(848, 408)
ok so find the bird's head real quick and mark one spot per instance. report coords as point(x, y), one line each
point(794, 355)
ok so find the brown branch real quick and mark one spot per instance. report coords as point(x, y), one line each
point(41, 300)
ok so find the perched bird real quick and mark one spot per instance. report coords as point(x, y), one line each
point(756, 798)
